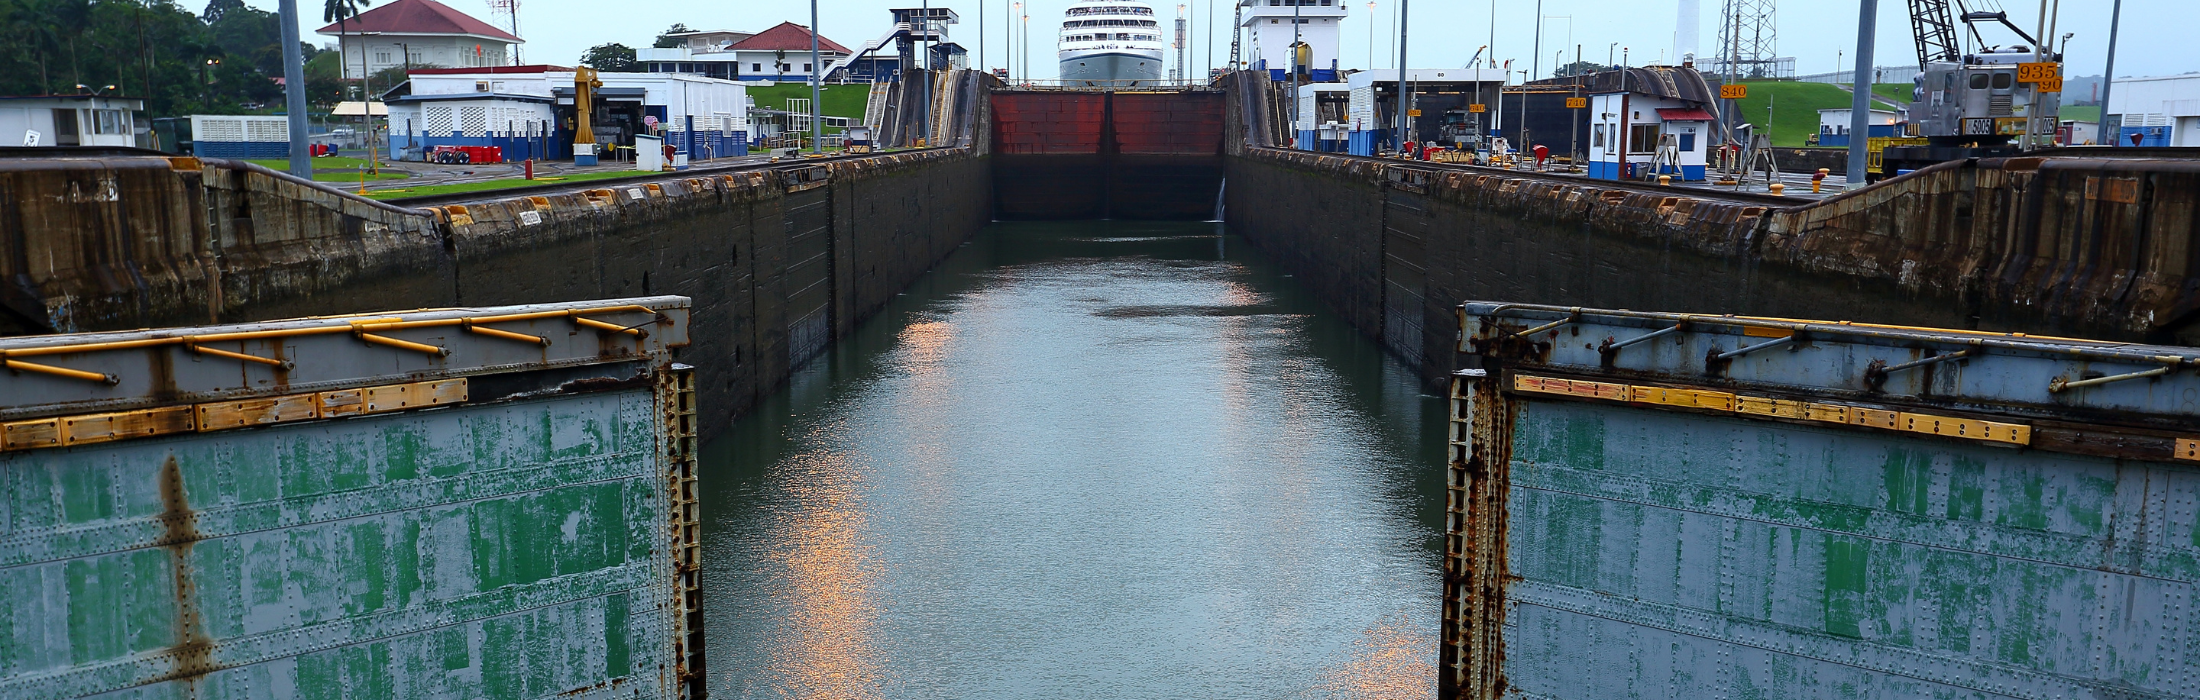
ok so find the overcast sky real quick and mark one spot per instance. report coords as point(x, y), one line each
point(2157, 39)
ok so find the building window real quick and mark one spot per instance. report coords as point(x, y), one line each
point(109, 121)
point(1688, 142)
point(756, 68)
point(805, 68)
point(1596, 139)
point(1642, 138)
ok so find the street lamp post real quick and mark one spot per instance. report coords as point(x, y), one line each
point(2108, 78)
point(1405, 87)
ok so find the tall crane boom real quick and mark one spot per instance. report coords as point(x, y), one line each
point(1934, 28)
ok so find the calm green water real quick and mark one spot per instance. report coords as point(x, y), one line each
point(1083, 460)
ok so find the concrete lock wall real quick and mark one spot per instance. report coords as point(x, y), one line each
point(2086, 247)
point(780, 259)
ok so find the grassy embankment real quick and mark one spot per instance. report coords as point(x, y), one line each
point(1794, 106)
point(840, 100)
point(484, 185)
point(334, 169)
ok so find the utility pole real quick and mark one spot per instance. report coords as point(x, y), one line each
point(1575, 151)
point(294, 88)
point(1860, 102)
point(1535, 58)
point(1405, 87)
point(817, 103)
point(1208, 64)
point(2108, 77)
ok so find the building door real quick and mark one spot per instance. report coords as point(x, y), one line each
point(2187, 132)
point(64, 128)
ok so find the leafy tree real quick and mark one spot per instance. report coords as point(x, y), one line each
point(180, 61)
point(610, 58)
point(341, 12)
point(665, 41)
point(1579, 68)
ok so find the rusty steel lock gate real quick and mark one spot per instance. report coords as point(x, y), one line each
point(1648, 505)
point(451, 503)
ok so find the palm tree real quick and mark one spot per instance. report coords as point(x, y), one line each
point(341, 12)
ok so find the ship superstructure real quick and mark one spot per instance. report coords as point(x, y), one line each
point(1111, 43)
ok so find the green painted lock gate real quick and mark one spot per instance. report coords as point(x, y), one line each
point(1648, 505)
point(458, 503)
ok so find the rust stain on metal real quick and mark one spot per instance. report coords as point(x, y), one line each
point(194, 651)
point(1476, 561)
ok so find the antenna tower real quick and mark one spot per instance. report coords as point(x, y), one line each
point(1748, 39)
point(509, 8)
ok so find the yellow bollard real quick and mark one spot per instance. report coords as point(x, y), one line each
point(1666, 180)
point(1777, 188)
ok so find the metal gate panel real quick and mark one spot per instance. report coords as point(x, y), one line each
point(426, 504)
point(1741, 507)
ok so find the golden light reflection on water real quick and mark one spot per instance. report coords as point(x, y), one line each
point(824, 648)
point(1391, 661)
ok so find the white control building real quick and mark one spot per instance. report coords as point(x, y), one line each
point(1273, 26)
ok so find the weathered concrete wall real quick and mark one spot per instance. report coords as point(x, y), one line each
point(778, 259)
point(2064, 246)
point(778, 262)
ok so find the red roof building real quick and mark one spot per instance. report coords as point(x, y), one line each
point(420, 34)
point(781, 53)
point(790, 37)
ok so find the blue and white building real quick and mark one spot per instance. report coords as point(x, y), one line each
point(2159, 111)
point(1833, 125)
point(1322, 117)
point(1371, 114)
point(528, 111)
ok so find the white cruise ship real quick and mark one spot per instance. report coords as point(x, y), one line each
point(1111, 43)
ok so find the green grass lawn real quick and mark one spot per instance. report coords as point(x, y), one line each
point(840, 100)
point(336, 163)
point(1794, 108)
point(353, 176)
point(1897, 93)
point(2089, 113)
point(485, 185)
point(336, 169)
